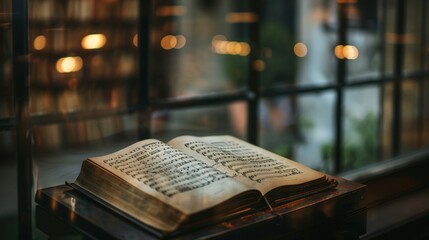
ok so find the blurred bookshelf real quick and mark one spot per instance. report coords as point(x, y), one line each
point(83, 69)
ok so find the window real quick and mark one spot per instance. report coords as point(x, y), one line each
point(336, 85)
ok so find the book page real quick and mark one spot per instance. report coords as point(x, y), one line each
point(249, 164)
point(170, 175)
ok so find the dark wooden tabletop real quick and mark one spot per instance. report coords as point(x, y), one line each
point(334, 214)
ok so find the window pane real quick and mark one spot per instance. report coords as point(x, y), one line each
point(6, 83)
point(59, 149)
point(226, 119)
point(361, 129)
point(410, 133)
point(413, 35)
point(300, 128)
point(277, 40)
point(79, 62)
point(198, 47)
point(390, 37)
point(365, 38)
point(297, 40)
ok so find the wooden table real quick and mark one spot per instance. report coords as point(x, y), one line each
point(333, 214)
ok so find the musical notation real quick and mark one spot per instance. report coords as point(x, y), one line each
point(165, 169)
point(242, 160)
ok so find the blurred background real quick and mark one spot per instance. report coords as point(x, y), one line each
point(341, 86)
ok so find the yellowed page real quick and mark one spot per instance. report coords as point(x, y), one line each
point(249, 164)
point(170, 175)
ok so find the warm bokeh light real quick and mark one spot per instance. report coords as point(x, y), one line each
point(39, 42)
point(168, 42)
point(348, 52)
point(259, 65)
point(93, 41)
point(241, 17)
point(181, 41)
point(245, 49)
point(300, 50)
point(69, 64)
point(136, 40)
point(166, 11)
point(222, 46)
point(339, 51)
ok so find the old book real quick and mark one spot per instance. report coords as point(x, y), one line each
point(191, 181)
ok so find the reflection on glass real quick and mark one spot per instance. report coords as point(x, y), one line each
point(300, 128)
point(230, 119)
point(364, 39)
point(361, 127)
point(297, 40)
point(61, 67)
point(189, 56)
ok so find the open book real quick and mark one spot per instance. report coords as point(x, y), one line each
point(191, 181)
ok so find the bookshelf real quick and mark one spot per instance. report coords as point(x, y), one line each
point(83, 69)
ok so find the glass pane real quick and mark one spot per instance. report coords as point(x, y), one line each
point(59, 149)
point(277, 35)
point(300, 128)
point(226, 119)
point(386, 121)
point(410, 116)
point(365, 38)
point(297, 40)
point(361, 127)
point(6, 83)
point(84, 55)
point(413, 35)
point(199, 47)
point(390, 38)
